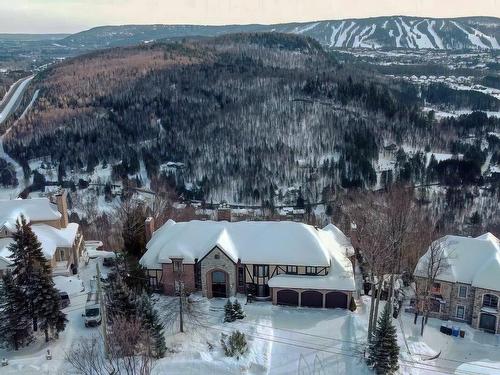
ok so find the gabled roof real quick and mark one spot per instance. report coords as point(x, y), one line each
point(35, 209)
point(49, 237)
point(474, 261)
point(252, 242)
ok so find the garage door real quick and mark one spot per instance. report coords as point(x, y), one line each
point(336, 300)
point(488, 322)
point(311, 298)
point(287, 297)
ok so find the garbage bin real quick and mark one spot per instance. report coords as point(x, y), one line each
point(455, 331)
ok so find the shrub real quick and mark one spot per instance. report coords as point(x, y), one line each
point(229, 313)
point(235, 345)
point(352, 306)
point(238, 310)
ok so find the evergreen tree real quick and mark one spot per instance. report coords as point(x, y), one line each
point(15, 321)
point(229, 313)
point(33, 276)
point(119, 298)
point(383, 351)
point(151, 321)
point(238, 310)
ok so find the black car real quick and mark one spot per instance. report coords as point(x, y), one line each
point(64, 299)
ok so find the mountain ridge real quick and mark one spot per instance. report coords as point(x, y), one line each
point(399, 32)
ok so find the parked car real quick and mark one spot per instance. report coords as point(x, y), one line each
point(65, 302)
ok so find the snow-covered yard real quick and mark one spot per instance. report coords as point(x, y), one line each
point(281, 340)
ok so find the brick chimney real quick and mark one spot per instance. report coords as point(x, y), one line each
point(62, 207)
point(224, 213)
point(149, 227)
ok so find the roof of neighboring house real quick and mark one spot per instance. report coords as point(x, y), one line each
point(474, 261)
point(4, 252)
point(49, 237)
point(34, 209)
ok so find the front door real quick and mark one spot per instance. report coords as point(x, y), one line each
point(488, 322)
point(219, 284)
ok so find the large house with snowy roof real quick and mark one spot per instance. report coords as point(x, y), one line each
point(288, 262)
point(61, 240)
point(467, 286)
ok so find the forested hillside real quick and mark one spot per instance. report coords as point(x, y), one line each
point(242, 115)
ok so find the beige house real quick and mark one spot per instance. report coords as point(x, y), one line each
point(467, 287)
point(287, 262)
point(61, 241)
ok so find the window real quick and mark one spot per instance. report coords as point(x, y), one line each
point(291, 270)
point(217, 256)
point(177, 264)
point(436, 288)
point(261, 271)
point(462, 291)
point(241, 276)
point(311, 270)
point(435, 306)
point(490, 300)
point(460, 312)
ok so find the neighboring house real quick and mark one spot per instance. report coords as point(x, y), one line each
point(61, 241)
point(468, 287)
point(288, 262)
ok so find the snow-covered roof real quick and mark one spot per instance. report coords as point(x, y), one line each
point(4, 252)
point(340, 238)
point(340, 277)
point(252, 242)
point(34, 209)
point(474, 261)
point(50, 238)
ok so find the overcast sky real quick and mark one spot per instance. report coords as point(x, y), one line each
point(51, 16)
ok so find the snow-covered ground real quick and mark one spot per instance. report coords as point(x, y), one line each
point(282, 340)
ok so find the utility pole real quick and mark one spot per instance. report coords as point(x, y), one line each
point(181, 310)
point(104, 318)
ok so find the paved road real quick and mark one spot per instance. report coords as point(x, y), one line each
point(11, 100)
point(9, 104)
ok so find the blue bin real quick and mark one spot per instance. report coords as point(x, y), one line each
point(455, 331)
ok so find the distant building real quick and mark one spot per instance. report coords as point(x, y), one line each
point(287, 262)
point(61, 241)
point(468, 288)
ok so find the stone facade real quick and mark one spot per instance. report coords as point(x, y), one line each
point(472, 302)
point(478, 307)
point(215, 260)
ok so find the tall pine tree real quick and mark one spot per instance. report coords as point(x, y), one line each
point(151, 322)
point(33, 275)
point(15, 322)
point(383, 351)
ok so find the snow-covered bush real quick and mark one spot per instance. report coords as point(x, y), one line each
point(235, 345)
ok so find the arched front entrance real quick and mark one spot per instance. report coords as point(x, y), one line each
point(488, 322)
point(219, 284)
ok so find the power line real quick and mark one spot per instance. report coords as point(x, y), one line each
point(415, 364)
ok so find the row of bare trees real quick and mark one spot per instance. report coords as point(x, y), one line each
point(391, 232)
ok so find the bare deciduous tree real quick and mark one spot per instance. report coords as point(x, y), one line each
point(129, 351)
